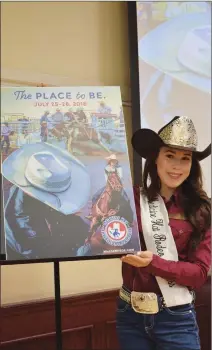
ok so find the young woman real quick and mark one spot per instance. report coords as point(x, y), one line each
point(156, 302)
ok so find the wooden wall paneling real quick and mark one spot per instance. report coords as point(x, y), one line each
point(78, 339)
point(84, 309)
point(31, 326)
point(27, 320)
point(88, 322)
point(99, 336)
point(43, 342)
point(111, 341)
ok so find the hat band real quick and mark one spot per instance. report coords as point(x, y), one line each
point(181, 146)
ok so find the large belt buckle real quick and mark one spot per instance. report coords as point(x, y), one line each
point(144, 303)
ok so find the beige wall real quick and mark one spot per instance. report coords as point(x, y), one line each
point(79, 43)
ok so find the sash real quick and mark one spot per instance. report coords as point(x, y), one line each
point(159, 240)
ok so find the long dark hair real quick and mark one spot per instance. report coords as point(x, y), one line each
point(193, 199)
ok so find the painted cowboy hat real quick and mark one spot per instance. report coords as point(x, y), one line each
point(179, 133)
point(181, 47)
point(111, 157)
point(49, 174)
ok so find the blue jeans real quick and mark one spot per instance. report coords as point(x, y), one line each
point(170, 329)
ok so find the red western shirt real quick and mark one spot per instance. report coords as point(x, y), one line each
point(192, 268)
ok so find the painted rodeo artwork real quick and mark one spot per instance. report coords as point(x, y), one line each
point(67, 187)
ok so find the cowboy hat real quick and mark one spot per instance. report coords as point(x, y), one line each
point(111, 157)
point(179, 133)
point(181, 48)
point(49, 174)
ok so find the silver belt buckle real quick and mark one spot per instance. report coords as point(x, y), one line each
point(144, 303)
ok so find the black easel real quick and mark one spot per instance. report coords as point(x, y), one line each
point(58, 322)
point(59, 339)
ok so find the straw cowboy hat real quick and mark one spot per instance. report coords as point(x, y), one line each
point(179, 133)
point(181, 47)
point(49, 174)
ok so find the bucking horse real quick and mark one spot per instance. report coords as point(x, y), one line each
point(77, 131)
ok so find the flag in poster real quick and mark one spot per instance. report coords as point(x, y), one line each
point(67, 188)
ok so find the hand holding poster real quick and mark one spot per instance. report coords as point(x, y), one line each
point(67, 184)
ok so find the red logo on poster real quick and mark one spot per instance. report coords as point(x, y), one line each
point(116, 231)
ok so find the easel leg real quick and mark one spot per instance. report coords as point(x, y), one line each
point(57, 305)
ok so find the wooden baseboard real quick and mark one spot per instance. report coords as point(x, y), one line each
point(88, 322)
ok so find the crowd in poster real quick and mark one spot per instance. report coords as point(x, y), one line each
point(67, 188)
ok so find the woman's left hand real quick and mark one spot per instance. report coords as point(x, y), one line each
point(141, 259)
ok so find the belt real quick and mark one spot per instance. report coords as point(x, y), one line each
point(148, 303)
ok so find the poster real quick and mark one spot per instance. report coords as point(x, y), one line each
point(67, 188)
point(174, 49)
